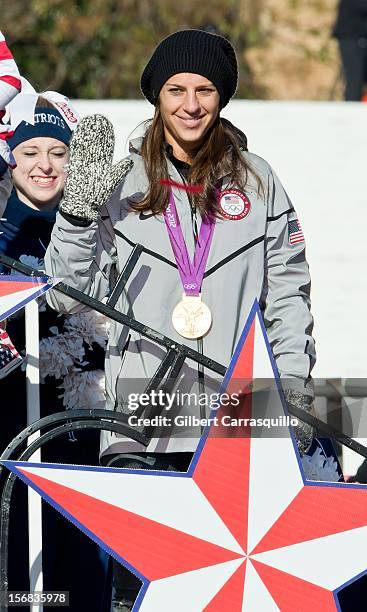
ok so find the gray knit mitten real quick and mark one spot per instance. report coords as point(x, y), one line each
point(303, 431)
point(91, 177)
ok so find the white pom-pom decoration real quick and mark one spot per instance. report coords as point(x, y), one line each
point(62, 356)
point(83, 389)
point(91, 325)
point(319, 467)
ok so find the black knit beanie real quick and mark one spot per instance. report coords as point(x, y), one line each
point(194, 51)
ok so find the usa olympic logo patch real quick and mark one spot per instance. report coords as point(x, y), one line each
point(234, 205)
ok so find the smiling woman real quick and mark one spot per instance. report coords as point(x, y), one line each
point(41, 131)
point(41, 152)
point(40, 173)
point(189, 105)
point(206, 254)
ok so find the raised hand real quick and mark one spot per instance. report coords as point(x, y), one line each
point(91, 176)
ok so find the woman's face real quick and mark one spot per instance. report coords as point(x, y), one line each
point(189, 105)
point(39, 177)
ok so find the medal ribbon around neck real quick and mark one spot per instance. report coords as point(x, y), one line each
point(191, 318)
point(191, 273)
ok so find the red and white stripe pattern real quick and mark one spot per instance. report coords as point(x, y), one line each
point(9, 356)
point(240, 532)
point(16, 290)
point(295, 232)
point(10, 84)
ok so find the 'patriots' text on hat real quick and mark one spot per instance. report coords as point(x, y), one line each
point(47, 123)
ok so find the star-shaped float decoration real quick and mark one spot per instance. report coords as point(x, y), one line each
point(16, 290)
point(242, 530)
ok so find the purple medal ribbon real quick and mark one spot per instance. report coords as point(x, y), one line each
point(191, 273)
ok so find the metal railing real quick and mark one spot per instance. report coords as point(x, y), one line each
point(165, 376)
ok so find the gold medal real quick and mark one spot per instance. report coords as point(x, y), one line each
point(191, 318)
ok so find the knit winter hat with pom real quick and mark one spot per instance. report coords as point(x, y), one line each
point(194, 51)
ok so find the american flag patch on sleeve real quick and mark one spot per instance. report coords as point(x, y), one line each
point(295, 233)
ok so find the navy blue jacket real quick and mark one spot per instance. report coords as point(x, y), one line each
point(25, 230)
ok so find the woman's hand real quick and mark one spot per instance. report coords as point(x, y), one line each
point(303, 431)
point(91, 177)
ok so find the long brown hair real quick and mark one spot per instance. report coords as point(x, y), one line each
point(220, 155)
point(43, 102)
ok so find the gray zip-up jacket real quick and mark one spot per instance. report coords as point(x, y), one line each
point(250, 258)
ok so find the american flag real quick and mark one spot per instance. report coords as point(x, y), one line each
point(232, 200)
point(9, 356)
point(295, 232)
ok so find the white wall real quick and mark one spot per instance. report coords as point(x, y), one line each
point(319, 151)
